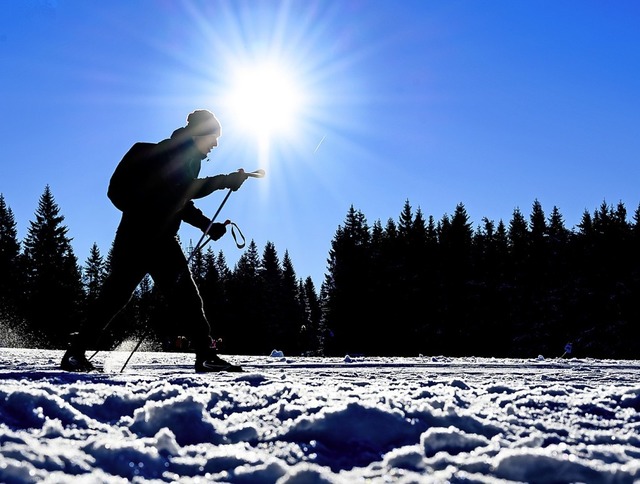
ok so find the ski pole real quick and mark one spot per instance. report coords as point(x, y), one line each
point(206, 231)
point(253, 174)
point(144, 334)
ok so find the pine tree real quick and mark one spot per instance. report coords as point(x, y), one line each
point(537, 223)
point(14, 331)
point(456, 247)
point(412, 268)
point(518, 234)
point(635, 230)
point(216, 294)
point(560, 283)
point(502, 240)
point(632, 308)
point(211, 289)
point(558, 233)
point(485, 250)
point(405, 221)
point(387, 282)
point(245, 332)
point(53, 295)
point(611, 282)
point(10, 274)
point(222, 268)
point(457, 241)
point(538, 257)
point(347, 286)
point(273, 324)
point(586, 224)
point(93, 274)
point(311, 333)
point(292, 310)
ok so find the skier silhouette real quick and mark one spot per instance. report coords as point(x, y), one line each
point(154, 186)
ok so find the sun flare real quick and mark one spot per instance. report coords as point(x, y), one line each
point(284, 90)
point(265, 99)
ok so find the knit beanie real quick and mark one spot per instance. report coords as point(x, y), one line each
point(202, 122)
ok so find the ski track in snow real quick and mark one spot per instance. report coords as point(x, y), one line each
point(319, 420)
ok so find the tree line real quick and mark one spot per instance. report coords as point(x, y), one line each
point(257, 306)
point(413, 286)
point(529, 287)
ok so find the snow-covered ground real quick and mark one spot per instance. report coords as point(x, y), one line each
point(313, 420)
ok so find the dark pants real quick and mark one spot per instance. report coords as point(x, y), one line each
point(136, 252)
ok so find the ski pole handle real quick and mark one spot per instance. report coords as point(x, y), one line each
point(257, 173)
point(253, 174)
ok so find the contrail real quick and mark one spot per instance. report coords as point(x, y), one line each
point(319, 143)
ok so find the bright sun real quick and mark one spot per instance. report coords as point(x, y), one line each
point(265, 99)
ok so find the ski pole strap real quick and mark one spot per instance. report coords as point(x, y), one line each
point(234, 227)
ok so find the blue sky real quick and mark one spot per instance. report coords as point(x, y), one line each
point(492, 104)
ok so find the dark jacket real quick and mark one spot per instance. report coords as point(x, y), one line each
point(155, 183)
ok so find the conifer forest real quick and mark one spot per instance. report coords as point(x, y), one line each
point(415, 285)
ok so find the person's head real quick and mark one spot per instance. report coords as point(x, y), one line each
point(205, 130)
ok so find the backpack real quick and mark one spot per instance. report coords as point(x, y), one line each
point(129, 181)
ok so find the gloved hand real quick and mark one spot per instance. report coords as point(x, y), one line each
point(217, 230)
point(234, 180)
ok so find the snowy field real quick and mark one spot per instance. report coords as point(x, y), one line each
point(312, 420)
